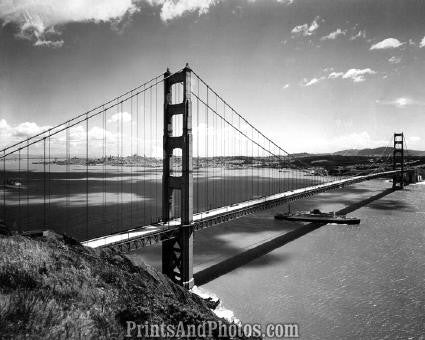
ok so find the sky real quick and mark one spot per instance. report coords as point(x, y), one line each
point(313, 75)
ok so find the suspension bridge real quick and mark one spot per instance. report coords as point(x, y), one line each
point(157, 163)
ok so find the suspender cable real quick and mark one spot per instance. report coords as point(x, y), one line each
point(224, 156)
point(117, 167)
point(247, 181)
point(131, 161)
point(104, 164)
point(198, 152)
point(44, 182)
point(121, 162)
point(231, 108)
point(49, 189)
point(151, 137)
point(19, 194)
point(252, 164)
point(61, 128)
point(87, 177)
point(235, 127)
point(270, 173)
point(207, 141)
point(232, 155)
point(4, 188)
point(28, 186)
point(158, 212)
point(79, 118)
point(137, 148)
point(257, 191)
point(67, 155)
point(213, 158)
point(144, 156)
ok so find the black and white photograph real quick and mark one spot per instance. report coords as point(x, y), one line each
point(212, 169)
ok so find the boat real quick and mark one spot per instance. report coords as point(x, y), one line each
point(316, 215)
point(13, 184)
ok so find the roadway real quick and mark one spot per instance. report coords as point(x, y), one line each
point(146, 235)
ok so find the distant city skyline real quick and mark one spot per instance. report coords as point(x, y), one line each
point(314, 76)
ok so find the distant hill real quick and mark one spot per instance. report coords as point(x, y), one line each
point(301, 154)
point(375, 152)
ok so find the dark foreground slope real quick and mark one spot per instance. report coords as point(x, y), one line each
point(52, 287)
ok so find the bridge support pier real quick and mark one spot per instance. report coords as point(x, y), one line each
point(398, 161)
point(177, 252)
point(177, 257)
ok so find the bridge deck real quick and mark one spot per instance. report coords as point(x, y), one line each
point(146, 235)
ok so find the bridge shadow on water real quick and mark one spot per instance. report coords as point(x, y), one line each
point(294, 231)
point(375, 203)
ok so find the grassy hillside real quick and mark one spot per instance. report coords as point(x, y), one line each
point(53, 287)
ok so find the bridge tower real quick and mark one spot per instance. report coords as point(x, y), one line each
point(398, 161)
point(177, 252)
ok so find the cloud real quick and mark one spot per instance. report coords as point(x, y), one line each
point(10, 134)
point(171, 9)
point(333, 35)
point(401, 102)
point(306, 30)
point(98, 137)
point(23, 130)
point(386, 44)
point(37, 19)
point(422, 43)
point(27, 129)
point(394, 60)
point(360, 34)
point(334, 75)
point(116, 117)
point(354, 74)
point(311, 82)
point(97, 133)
